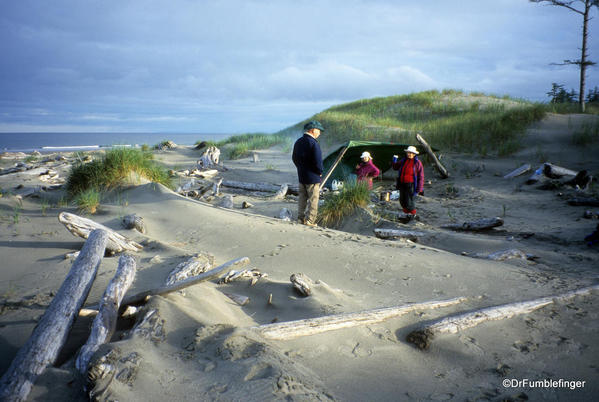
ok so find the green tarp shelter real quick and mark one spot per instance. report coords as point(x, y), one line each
point(349, 154)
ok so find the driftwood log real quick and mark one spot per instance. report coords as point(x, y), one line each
point(281, 192)
point(264, 187)
point(253, 274)
point(42, 348)
point(134, 222)
point(312, 326)
point(481, 224)
point(440, 168)
point(536, 176)
point(82, 227)
point(506, 255)
point(556, 172)
point(518, 172)
point(302, 284)
point(209, 158)
point(396, 233)
point(423, 336)
point(216, 187)
point(105, 322)
point(194, 266)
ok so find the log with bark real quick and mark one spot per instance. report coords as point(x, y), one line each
point(520, 171)
point(423, 336)
point(302, 283)
point(134, 221)
point(105, 322)
point(312, 326)
point(82, 227)
point(396, 233)
point(440, 168)
point(194, 266)
point(481, 224)
point(556, 172)
point(44, 344)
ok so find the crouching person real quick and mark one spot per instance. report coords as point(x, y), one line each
point(410, 180)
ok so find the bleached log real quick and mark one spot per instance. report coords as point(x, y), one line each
point(105, 322)
point(312, 326)
point(396, 233)
point(302, 283)
point(555, 172)
point(504, 255)
point(134, 222)
point(44, 344)
point(280, 194)
point(209, 158)
point(206, 174)
point(216, 187)
point(518, 172)
point(82, 227)
point(481, 224)
point(194, 266)
point(442, 170)
point(455, 323)
point(239, 299)
point(253, 274)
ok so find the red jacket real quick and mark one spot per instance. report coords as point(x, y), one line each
point(418, 173)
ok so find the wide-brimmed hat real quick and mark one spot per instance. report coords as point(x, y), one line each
point(313, 124)
point(365, 154)
point(412, 149)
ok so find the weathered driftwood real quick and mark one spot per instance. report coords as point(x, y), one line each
point(285, 214)
point(255, 157)
point(194, 266)
point(205, 174)
point(82, 227)
point(518, 172)
point(536, 176)
point(506, 255)
point(555, 172)
point(253, 274)
point(452, 324)
point(396, 233)
point(440, 168)
point(302, 283)
point(134, 221)
point(213, 273)
point(216, 187)
point(591, 202)
point(105, 322)
point(481, 224)
point(246, 205)
point(226, 202)
point(280, 194)
point(312, 326)
point(264, 187)
point(44, 344)
point(239, 299)
point(210, 157)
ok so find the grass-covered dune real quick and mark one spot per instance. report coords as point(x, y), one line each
point(449, 119)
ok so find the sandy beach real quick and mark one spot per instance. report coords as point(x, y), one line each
point(202, 345)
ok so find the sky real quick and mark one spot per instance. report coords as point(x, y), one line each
point(237, 66)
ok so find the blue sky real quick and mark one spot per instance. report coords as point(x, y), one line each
point(235, 66)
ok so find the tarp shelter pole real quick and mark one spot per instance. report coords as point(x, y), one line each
point(326, 176)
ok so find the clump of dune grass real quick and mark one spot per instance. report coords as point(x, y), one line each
point(338, 206)
point(586, 135)
point(113, 168)
point(88, 200)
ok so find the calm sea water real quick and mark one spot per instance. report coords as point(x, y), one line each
point(47, 142)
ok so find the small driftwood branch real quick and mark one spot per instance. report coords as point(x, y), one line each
point(442, 170)
point(82, 227)
point(312, 326)
point(253, 274)
point(134, 222)
point(481, 224)
point(302, 283)
point(44, 344)
point(194, 266)
point(518, 172)
point(105, 322)
point(396, 233)
point(423, 336)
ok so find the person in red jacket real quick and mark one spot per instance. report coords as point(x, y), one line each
point(410, 180)
point(366, 170)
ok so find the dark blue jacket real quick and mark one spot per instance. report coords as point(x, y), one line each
point(307, 157)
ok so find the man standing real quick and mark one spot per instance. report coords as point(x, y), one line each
point(307, 158)
point(410, 180)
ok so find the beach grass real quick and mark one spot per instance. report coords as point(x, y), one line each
point(88, 200)
point(113, 168)
point(586, 135)
point(337, 206)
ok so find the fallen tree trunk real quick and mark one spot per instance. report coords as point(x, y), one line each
point(481, 224)
point(442, 170)
point(82, 227)
point(312, 326)
point(396, 233)
point(264, 187)
point(105, 322)
point(555, 172)
point(44, 344)
point(520, 171)
point(423, 336)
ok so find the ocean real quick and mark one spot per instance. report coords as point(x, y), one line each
point(51, 142)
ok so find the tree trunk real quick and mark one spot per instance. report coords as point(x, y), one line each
point(555, 172)
point(442, 171)
point(312, 326)
point(105, 322)
point(481, 224)
point(452, 324)
point(583, 54)
point(42, 348)
point(82, 227)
